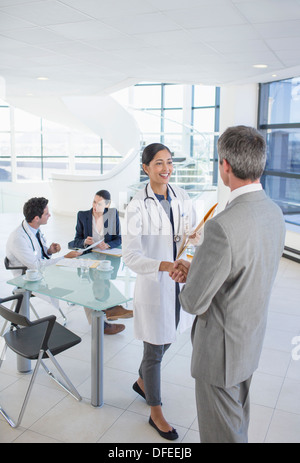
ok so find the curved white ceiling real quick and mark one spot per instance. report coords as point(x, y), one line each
point(87, 47)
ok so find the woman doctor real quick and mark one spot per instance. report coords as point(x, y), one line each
point(156, 220)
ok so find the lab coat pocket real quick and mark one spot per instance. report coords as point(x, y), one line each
point(147, 290)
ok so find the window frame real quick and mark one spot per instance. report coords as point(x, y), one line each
point(263, 113)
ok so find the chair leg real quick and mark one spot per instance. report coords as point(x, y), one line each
point(70, 388)
point(2, 353)
point(3, 328)
point(34, 311)
point(64, 317)
point(3, 412)
point(37, 316)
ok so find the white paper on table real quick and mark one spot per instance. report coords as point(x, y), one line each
point(110, 252)
point(90, 247)
point(77, 263)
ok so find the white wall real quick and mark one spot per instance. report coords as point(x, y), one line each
point(238, 106)
point(72, 193)
point(14, 195)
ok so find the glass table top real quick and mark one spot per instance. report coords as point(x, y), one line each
point(80, 281)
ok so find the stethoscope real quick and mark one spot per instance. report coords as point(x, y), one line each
point(32, 245)
point(177, 237)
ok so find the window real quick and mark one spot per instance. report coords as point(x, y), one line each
point(36, 148)
point(5, 151)
point(183, 117)
point(205, 121)
point(279, 120)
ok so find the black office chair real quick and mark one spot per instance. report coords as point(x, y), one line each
point(8, 266)
point(37, 340)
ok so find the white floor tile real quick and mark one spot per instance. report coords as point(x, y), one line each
point(76, 422)
point(260, 419)
point(284, 428)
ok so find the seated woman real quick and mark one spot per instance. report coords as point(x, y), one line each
point(101, 223)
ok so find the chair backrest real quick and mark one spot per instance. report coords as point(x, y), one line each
point(13, 316)
point(6, 263)
point(9, 267)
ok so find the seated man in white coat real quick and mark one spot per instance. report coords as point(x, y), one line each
point(26, 246)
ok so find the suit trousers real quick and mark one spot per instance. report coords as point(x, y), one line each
point(223, 413)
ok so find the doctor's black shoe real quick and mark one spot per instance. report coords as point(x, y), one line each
point(137, 389)
point(170, 435)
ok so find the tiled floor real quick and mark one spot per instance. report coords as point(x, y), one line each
point(52, 416)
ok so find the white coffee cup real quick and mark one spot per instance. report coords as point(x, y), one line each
point(32, 274)
point(104, 265)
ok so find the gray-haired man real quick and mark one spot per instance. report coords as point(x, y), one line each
point(228, 288)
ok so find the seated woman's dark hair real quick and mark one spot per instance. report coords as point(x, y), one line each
point(104, 194)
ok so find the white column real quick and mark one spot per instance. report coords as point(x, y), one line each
point(186, 131)
point(238, 106)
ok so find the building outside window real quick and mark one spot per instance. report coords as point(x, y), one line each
point(279, 120)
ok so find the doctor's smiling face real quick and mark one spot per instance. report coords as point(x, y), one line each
point(160, 169)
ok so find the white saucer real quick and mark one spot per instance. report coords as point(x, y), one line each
point(105, 269)
point(31, 279)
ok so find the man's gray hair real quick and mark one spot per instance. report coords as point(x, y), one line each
point(244, 148)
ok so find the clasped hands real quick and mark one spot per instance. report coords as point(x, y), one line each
point(178, 270)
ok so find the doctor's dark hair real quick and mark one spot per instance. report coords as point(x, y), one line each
point(244, 148)
point(151, 150)
point(34, 207)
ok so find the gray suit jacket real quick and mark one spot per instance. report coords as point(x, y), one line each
point(229, 286)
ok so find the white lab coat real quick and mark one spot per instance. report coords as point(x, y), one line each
point(23, 249)
point(147, 239)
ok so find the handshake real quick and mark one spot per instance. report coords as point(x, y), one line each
point(178, 270)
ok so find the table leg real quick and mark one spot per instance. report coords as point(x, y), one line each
point(23, 364)
point(97, 358)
